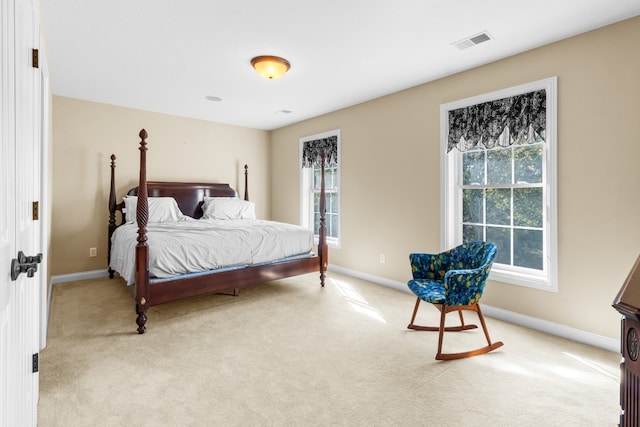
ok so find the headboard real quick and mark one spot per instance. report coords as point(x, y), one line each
point(189, 195)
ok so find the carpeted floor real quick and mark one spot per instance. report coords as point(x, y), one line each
point(290, 353)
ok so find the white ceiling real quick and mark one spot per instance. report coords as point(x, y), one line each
point(168, 55)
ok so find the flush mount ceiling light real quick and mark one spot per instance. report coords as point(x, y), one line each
point(270, 67)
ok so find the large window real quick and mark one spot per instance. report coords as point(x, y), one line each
point(310, 184)
point(499, 184)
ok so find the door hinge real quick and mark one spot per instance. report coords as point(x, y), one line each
point(35, 363)
point(34, 58)
point(36, 211)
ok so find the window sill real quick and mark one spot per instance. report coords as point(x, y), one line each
point(530, 281)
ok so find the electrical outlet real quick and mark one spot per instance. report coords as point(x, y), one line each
point(381, 258)
point(93, 252)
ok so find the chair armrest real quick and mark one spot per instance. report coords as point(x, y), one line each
point(466, 286)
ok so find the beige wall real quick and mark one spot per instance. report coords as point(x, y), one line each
point(85, 134)
point(391, 173)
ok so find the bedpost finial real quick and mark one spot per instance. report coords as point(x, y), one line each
point(143, 134)
point(113, 157)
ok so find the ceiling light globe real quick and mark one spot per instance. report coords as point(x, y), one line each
point(270, 67)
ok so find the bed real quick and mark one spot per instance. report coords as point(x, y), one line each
point(198, 203)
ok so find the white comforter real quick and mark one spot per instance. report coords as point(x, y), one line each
point(190, 245)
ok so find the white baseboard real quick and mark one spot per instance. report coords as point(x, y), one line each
point(64, 278)
point(84, 275)
point(556, 329)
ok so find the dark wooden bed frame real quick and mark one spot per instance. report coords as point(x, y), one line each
point(189, 197)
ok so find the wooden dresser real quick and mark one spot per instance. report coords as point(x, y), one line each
point(627, 302)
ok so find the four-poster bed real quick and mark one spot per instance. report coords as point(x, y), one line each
point(192, 198)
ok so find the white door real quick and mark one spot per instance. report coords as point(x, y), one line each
point(20, 188)
point(7, 212)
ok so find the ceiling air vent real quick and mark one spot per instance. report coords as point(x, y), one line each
point(472, 40)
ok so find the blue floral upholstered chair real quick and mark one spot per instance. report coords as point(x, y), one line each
point(453, 280)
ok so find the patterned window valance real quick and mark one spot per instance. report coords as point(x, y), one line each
point(519, 119)
point(312, 152)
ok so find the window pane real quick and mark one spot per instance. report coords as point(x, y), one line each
point(316, 223)
point(472, 233)
point(329, 178)
point(499, 206)
point(332, 224)
point(473, 168)
point(327, 224)
point(472, 210)
point(499, 166)
point(528, 248)
point(332, 203)
point(528, 163)
point(316, 178)
point(502, 238)
point(527, 210)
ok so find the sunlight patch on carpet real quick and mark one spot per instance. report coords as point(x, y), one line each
point(599, 368)
point(357, 301)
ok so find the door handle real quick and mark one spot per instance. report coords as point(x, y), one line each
point(24, 264)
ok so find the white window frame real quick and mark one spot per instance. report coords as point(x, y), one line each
point(451, 189)
point(306, 188)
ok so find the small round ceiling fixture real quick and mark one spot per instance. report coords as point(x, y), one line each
point(213, 98)
point(270, 67)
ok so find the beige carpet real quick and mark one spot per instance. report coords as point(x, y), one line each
point(293, 354)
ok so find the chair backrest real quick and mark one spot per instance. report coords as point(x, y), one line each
point(473, 254)
point(470, 255)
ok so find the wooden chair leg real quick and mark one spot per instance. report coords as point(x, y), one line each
point(461, 318)
point(490, 346)
point(415, 311)
point(443, 315)
point(462, 326)
point(442, 328)
point(486, 331)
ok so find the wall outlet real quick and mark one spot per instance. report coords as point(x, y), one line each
point(93, 252)
point(381, 258)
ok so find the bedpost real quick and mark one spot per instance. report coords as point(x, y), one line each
point(142, 249)
point(112, 213)
point(246, 182)
point(323, 249)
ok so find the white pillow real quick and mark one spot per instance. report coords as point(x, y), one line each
point(161, 209)
point(228, 208)
point(207, 198)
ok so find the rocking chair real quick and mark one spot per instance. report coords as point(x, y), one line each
point(453, 281)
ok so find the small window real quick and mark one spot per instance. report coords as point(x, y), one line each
point(310, 184)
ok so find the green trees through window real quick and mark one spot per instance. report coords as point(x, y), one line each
point(502, 202)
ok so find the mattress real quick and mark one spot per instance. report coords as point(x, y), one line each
point(191, 246)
